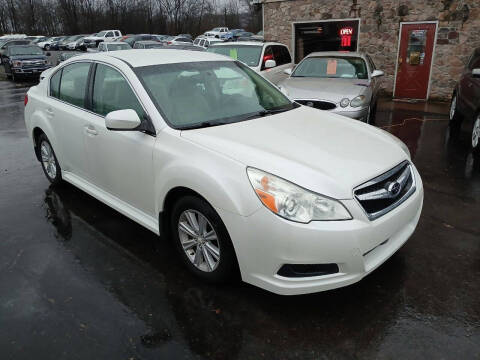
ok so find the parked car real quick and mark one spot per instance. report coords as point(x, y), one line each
point(22, 61)
point(205, 42)
point(45, 45)
point(229, 36)
point(77, 44)
point(104, 35)
point(217, 32)
point(343, 83)
point(6, 43)
point(67, 55)
point(55, 45)
point(465, 105)
point(142, 37)
point(199, 148)
point(242, 36)
point(72, 43)
point(178, 40)
point(148, 44)
point(259, 56)
point(113, 46)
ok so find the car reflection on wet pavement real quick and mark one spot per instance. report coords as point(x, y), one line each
point(79, 280)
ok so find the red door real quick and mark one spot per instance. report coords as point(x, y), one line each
point(414, 59)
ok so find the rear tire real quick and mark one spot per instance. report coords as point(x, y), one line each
point(475, 133)
point(48, 159)
point(202, 240)
point(455, 118)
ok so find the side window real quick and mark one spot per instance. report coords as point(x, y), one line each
point(100, 47)
point(73, 83)
point(286, 55)
point(268, 55)
point(109, 34)
point(196, 41)
point(55, 84)
point(117, 33)
point(112, 92)
point(371, 64)
point(279, 55)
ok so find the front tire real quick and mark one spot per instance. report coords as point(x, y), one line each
point(49, 161)
point(202, 240)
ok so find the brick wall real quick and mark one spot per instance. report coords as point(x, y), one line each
point(458, 31)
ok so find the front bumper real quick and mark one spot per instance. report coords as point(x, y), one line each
point(360, 114)
point(30, 71)
point(265, 242)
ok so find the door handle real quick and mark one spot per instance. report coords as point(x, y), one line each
point(91, 130)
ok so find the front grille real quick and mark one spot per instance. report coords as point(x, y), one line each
point(385, 192)
point(318, 104)
point(32, 64)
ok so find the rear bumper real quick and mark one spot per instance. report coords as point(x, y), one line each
point(265, 242)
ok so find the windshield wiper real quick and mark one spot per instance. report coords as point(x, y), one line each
point(203, 124)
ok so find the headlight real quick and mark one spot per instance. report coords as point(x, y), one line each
point(345, 102)
point(293, 202)
point(17, 63)
point(358, 101)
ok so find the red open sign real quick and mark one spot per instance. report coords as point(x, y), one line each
point(346, 31)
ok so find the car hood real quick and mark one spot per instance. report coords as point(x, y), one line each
point(27, 57)
point(324, 89)
point(318, 150)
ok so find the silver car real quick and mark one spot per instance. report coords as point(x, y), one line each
point(343, 83)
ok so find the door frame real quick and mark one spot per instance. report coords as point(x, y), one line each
point(433, 53)
point(293, 23)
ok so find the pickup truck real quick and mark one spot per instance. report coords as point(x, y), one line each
point(217, 32)
point(24, 61)
point(104, 35)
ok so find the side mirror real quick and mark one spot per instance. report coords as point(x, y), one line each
point(270, 64)
point(377, 73)
point(122, 120)
point(476, 72)
point(287, 71)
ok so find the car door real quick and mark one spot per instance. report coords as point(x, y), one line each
point(120, 161)
point(65, 109)
point(469, 84)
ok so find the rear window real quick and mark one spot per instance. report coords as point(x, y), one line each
point(249, 55)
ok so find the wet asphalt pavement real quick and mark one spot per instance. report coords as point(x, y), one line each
point(80, 281)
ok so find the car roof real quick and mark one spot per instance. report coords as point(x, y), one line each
point(147, 57)
point(249, 43)
point(148, 42)
point(337, 53)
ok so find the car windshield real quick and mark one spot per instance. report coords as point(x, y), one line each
point(216, 29)
point(332, 67)
point(119, 46)
point(101, 33)
point(25, 50)
point(200, 94)
point(249, 55)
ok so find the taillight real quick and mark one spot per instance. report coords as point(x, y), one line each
point(25, 101)
point(169, 43)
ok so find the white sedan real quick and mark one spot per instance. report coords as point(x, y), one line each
point(207, 153)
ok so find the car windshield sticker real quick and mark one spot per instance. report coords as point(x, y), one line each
point(331, 67)
point(233, 54)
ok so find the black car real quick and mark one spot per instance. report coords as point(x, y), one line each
point(24, 61)
point(465, 105)
point(55, 45)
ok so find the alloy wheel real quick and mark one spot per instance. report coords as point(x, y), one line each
point(476, 133)
point(48, 160)
point(199, 240)
point(453, 106)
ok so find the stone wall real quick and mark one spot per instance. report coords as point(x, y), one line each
point(458, 31)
